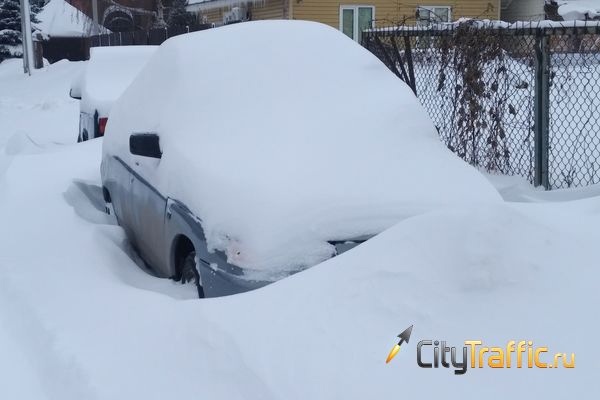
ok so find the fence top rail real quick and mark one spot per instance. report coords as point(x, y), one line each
point(499, 27)
point(169, 32)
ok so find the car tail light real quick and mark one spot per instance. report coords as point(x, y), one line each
point(102, 125)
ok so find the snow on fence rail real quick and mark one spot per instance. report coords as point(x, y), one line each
point(512, 98)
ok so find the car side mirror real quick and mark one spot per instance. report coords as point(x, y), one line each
point(74, 96)
point(145, 145)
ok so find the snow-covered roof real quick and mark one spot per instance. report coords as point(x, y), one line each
point(60, 19)
point(579, 9)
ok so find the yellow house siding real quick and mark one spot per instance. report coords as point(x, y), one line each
point(328, 12)
point(390, 12)
point(482, 9)
point(387, 12)
point(271, 9)
point(214, 16)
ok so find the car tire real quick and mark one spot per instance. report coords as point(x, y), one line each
point(190, 273)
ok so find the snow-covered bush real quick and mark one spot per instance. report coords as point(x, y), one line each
point(10, 26)
point(178, 15)
point(172, 13)
point(478, 60)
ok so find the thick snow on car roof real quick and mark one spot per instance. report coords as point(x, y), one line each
point(282, 135)
point(109, 72)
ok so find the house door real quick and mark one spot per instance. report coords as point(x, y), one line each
point(355, 19)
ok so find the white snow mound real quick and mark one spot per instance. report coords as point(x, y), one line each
point(282, 135)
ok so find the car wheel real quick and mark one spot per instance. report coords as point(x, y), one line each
point(190, 274)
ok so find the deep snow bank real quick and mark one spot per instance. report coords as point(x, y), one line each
point(37, 110)
point(82, 321)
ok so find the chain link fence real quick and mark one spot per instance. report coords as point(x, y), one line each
point(520, 99)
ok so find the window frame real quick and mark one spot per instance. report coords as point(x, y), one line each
point(355, 8)
point(431, 9)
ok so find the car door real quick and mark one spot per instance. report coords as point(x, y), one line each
point(117, 181)
point(148, 211)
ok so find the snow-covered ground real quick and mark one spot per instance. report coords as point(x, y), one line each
point(37, 110)
point(80, 320)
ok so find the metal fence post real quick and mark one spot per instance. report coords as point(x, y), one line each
point(542, 110)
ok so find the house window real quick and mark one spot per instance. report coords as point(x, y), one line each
point(431, 14)
point(355, 19)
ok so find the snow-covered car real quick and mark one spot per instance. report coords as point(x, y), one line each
point(108, 73)
point(246, 153)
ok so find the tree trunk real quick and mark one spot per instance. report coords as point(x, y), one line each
point(160, 14)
